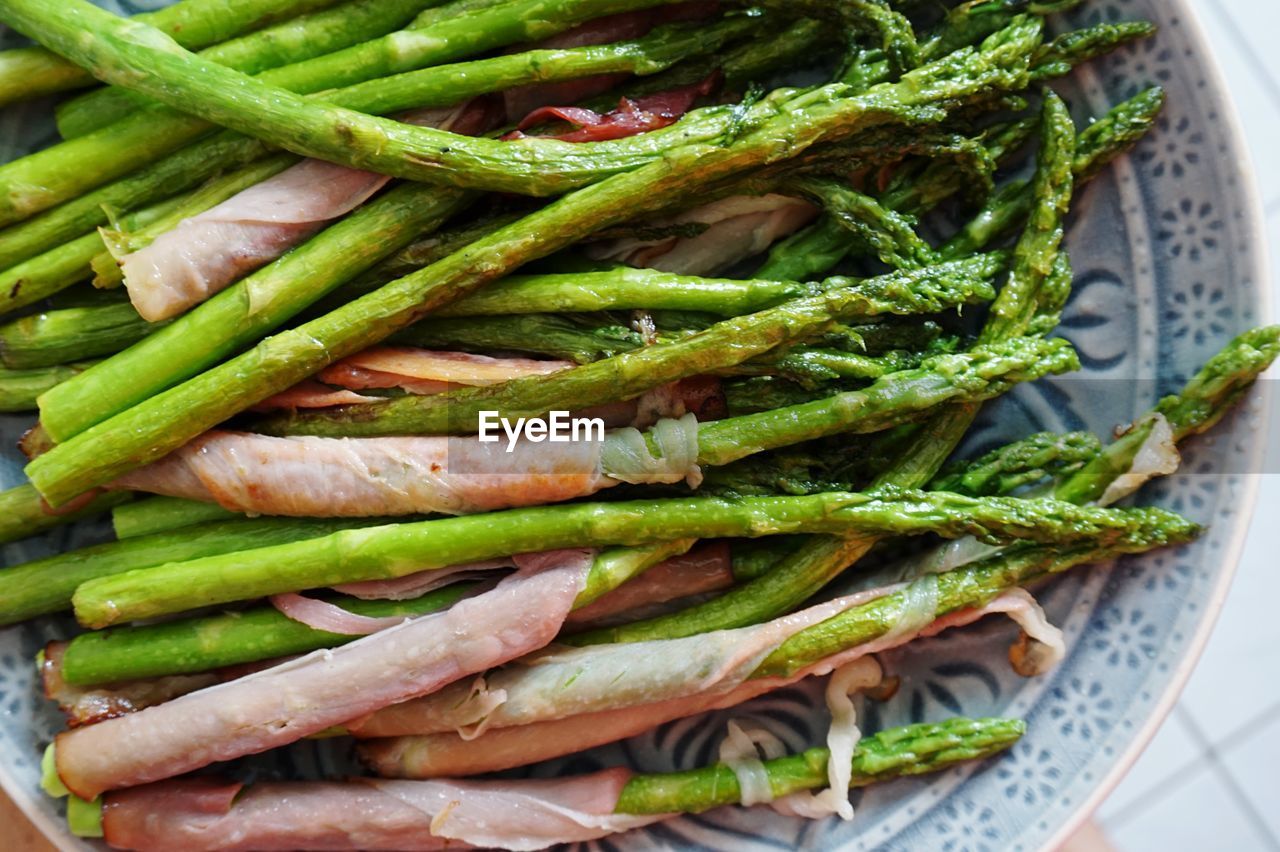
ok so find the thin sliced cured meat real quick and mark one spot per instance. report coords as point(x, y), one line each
point(407, 366)
point(210, 250)
point(416, 585)
point(293, 700)
point(449, 754)
point(629, 118)
point(371, 477)
point(562, 682)
point(205, 814)
point(736, 228)
point(311, 394)
point(706, 568)
point(331, 618)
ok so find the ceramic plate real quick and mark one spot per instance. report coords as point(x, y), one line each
point(1168, 261)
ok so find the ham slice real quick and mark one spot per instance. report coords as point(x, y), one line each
point(706, 568)
point(197, 814)
point(567, 682)
point(371, 477)
point(449, 754)
point(426, 371)
point(311, 394)
point(416, 585)
point(293, 700)
point(331, 618)
point(737, 228)
point(629, 118)
point(210, 250)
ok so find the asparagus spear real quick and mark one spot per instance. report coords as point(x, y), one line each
point(629, 374)
point(248, 309)
point(1030, 460)
point(288, 43)
point(57, 337)
point(163, 514)
point(431, 87)
point(24, 513)
point(41, 180)
point(1201, 404)
point(30, 72)
point(909, 750)
point(109, 45)
point(46, 585)
point(398, 549)
point(19, 388)
point(166, 421)
point(1099, 144)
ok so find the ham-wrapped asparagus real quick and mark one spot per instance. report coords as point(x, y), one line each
point(295, 699)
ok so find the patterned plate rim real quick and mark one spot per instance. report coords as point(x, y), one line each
point(1260, 269)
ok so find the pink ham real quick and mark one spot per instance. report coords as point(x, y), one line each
point(331, 618)
point(205, 814)
point(629, 118)
point(449, 754)
point(416, 585)
point(738, 227)
point(305, 696)
point(210, 250)
point(706, 568)
point(567, 682)
point(405, 366)
point(311, 394)
point(371, 477)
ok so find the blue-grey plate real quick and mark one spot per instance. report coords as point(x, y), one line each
point(1169, 265)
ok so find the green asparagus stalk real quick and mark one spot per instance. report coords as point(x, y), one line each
point(58, 337)
point(287, 43)
point(121, 241)
point(552, 335)
point(1098, 145)
point(41, 180)
point(166, 421)
point(1005, 469)
point(69, 263)
point(20, 388)
point(164, 514)
point(1197, 408)
point(226, 639)
point(46, 585)
point(442, 86)
point(30, 72)
point(891, 236)
point(909, 750)
point(23, 513)
point(128, 54)
point(395, 550)
point(628, 374)
point(248, 309)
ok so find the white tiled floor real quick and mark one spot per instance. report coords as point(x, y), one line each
point(1209, 778)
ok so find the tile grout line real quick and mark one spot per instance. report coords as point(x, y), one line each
point(1270, 715)
point(1224, 775)
point(1268, 77)
point(1163, 786)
